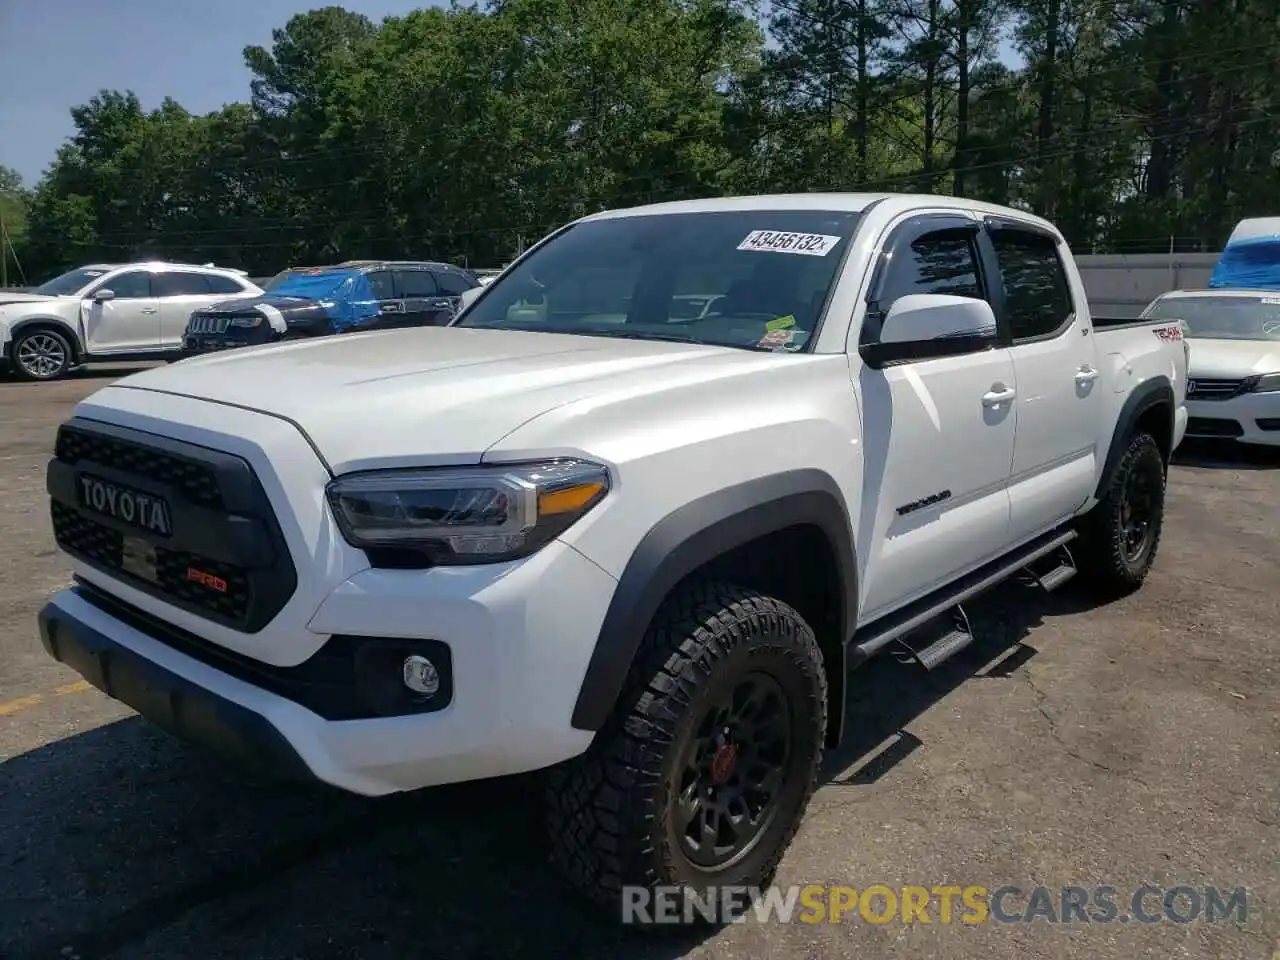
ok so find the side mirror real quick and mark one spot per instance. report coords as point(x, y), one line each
point(924, 325)
point(467, 297)
point(102, 296)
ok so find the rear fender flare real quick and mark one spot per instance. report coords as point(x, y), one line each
point(1155, 392)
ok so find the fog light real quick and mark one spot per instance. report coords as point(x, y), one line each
point(421, 676)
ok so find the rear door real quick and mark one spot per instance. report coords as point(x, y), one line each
point(1059, 405)
point(180, 294)
point(938, 433)
point(452, 286)
point(422, 299)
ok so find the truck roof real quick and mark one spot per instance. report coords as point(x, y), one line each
point(845, 202)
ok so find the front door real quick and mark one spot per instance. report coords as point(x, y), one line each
point(938, 434)
point(388, 300)
point(1059, 397)
point(128, 322)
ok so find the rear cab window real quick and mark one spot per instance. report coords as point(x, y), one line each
point(1037, 294)
point(751, 279)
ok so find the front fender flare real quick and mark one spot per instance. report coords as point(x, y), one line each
point(692, 536)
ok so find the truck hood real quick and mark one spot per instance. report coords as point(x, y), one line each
point(1231, 359)
point(429, 395)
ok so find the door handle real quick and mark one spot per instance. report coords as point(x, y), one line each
point(1086, 374)
point(149, 309)
point(998, 394)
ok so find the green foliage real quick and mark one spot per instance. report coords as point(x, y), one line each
point(468, 132)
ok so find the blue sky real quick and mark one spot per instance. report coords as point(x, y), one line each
point(55, 54)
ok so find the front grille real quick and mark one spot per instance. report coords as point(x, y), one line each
point(197, 481)
point(1213, 427)
point(79, 534)
point(200, 324)
point(1208, 388)
point(222, 556)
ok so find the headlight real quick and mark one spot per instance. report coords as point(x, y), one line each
point(1268, 383)
point(246, 322)
point(466, 515)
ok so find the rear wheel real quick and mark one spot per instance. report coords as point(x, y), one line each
point(1121, 534)
point(41, 354)
point(700, 779)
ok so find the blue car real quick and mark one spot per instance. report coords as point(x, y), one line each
point(320, 301)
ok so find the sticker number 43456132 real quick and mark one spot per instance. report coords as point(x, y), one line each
point(776, 241)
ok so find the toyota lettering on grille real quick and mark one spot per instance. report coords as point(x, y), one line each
point(126, 505)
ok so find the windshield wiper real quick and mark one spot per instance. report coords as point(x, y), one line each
point(672, 337)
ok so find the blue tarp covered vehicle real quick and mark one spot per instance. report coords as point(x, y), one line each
point(1251, 259)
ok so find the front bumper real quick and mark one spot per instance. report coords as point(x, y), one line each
point(1252, 418)
point(519, 637)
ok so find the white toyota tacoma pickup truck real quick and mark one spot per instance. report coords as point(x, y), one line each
point(586, 530)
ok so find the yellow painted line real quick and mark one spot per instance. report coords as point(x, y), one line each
point(22, 703)
point(10, 707)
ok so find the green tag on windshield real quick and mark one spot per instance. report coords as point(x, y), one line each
point(781, 323)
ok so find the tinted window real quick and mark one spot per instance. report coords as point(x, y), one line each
point(129, 286)
point(219, 284)
point(740, 278)
point(1036, 296)
point(174, 284)
point(381, 285)
point(453, 284)
point(939, 262)
point(416, 283)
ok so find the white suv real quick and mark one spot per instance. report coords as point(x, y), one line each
point(105, 311)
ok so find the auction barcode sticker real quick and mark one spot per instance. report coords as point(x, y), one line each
point(776, 241)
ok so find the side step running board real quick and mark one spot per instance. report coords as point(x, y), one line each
point(1054, 578)
point(946, 646)
point(880, 634)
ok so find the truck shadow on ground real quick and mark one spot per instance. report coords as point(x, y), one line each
point(1219, 454)
point(122, 842)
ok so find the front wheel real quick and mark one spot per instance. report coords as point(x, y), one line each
point(700, 779)
point(1119, 537)
point(41, 355)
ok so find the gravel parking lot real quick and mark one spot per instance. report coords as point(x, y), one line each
point(1120, 745)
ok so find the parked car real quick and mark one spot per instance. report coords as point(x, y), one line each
point(1234, 365)
point(110, 312)
point(634, 549)
point(320, 301)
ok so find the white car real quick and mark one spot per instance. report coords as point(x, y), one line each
point(641, 555)
point(109, 312)
point(1234, 367)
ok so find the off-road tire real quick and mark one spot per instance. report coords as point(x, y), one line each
point(609, 811)
point(31, 336)
point(1100, 554)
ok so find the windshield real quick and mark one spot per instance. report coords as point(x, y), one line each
point(1222, 318)
point(71, 282)
point(752, 279)
point(309, 284)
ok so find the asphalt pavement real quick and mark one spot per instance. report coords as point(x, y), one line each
point(1075, 745)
